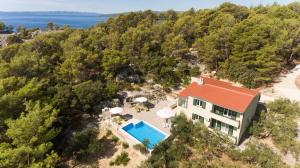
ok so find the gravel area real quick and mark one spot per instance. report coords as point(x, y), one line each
point(287, 87)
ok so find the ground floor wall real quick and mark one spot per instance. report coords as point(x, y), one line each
point(207, 118)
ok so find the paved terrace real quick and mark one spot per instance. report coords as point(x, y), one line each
point(150, 116)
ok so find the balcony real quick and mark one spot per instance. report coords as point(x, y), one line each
point(226, 120)
point(232, 138)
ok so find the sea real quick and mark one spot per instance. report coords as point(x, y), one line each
point(41, 19)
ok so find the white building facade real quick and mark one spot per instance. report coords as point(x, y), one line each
point(212, 102)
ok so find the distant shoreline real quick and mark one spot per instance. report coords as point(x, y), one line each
point(61, 12)
point(60, 18)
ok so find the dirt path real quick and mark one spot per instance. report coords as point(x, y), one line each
point(287, 87)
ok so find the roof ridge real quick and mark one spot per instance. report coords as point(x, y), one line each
point(247, 94)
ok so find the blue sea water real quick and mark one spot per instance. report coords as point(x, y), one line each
point(40, 19)
point(142, 131)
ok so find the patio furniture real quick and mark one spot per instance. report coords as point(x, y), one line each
point(141, 99)
point(105, 109)
point(173, 106)
point(165, 113)
point(116, 110)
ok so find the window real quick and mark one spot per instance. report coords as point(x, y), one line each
point(197, 102)
point(182, 102)
point(203, 104)
point(198, 118)
point(194, 116)
point(224, 112)
point(223, 127)
point(230, 131)
point(218, 125)
point(233, 114)
point(218, 110)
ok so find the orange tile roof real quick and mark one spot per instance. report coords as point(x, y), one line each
point(221, 93)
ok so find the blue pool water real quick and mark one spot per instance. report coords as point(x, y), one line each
point(142, 131)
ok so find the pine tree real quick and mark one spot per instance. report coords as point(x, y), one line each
point(30, 137)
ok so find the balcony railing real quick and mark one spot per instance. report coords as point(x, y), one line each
point(220, 132)
point(226, 120)
point(218, 113)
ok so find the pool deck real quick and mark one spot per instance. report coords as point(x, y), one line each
point(134, 140)
point(150, 116)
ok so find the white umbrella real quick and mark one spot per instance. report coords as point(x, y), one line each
point(165, 113)
point(141, 99)
point(116, 110)
point(105, 109)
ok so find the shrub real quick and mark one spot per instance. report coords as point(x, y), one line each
point(141, 148)
point(167, 89)
point(114, 138)
point(121, 159)
point(146, 142)
point(136, 146)
point(111, 163)
point(108, 133)
point(279, 123)
point(261, 154)
point(125, 145)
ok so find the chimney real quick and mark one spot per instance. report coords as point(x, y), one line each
point(199, 80)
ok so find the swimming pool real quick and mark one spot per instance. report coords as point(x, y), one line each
point(142, 131)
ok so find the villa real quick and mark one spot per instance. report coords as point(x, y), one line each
point(219, 105)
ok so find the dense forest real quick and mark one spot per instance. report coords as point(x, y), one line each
point(48, 82)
